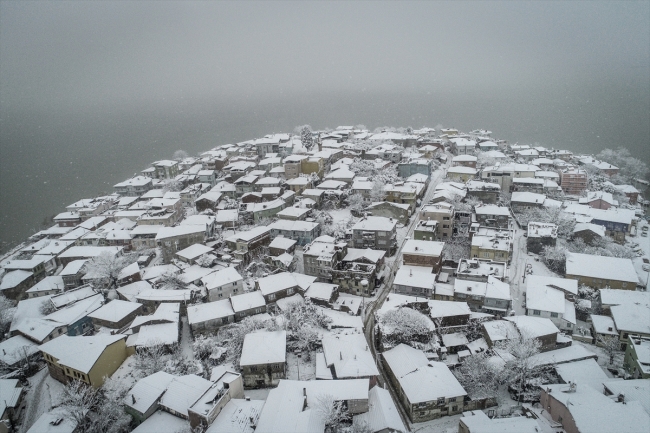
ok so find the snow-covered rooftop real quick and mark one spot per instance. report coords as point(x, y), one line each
point(81, 352)
point(209, 311)
point(601, 267)
point(115, 311)
point(183, 391)
point(264, 348)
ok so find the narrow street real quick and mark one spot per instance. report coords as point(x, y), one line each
point(369, 318)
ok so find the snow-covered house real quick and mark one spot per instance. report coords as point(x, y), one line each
point(301, 231)
point(601, 271)
point(115, 314)
point(245, 244)
point(427, 389)
point(174, 239)
point(182, 392)
point(493, 216)
point(375, 232)
point(414, 281)
point(598, 200)
point(210, 316)
point(545, 301)
point(423, 253)
point(359, 271)
point(348, 357)
point(142, 400)
point(227, 385)
point(476, 421)
point(223, 284)
point(580, 409)
point(87, 359)
point(283, 284)
point(248, 304)
point(540, 328)
point(292, 407)
point(263, 358)
point(540, 235)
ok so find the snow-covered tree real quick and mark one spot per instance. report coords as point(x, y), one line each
point(306, 137)
point(173, 185)
point(232, 337)
point(109, 415)
point(520, 368)
point(180, 154)
point(479, 377)
point(148, 360)
point(77, 400)
point(356, 202)
point(378, 191)
point(611, 345)
point(7, 311)
point(456, 248)
point(554, 215)
point(405, 325)
point(629, 167)
point(106, 267)
point(46, 307)
point(302, 320)
point(554, 257)
point(333, 413)
point(170, 281)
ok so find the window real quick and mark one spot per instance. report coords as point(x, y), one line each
point(453, 399)
point(536, 312)
point(441, 401)
point(271, 296)
point(289, 291)
point(234, 284)
point(554, 315)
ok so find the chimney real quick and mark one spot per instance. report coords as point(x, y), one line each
point(133, 399)
point(621, 397)
point(304, 392)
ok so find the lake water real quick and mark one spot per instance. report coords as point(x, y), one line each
point(51, 158)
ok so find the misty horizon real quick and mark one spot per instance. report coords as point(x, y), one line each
point(92, 92)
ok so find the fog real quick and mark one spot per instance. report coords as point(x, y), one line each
point(91, 92)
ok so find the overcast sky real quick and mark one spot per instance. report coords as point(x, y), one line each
point(80, 53)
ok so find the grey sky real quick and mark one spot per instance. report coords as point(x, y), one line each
point(92, 92)
point(79, 53)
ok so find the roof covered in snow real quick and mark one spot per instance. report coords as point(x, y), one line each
point(80, 353)
point(264, 348)
point(602, 267)
point(349, 355)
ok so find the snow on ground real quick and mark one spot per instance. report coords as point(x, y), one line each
point(603, 358)
point(43, 394)
point(125, 373)
point(186, 339)
point(445, 424)
point(339, 215)
point(257, 394)
point(307, 368)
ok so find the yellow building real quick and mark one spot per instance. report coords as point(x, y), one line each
point(86, 359)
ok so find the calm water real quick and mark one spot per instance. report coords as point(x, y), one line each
point(49, 159)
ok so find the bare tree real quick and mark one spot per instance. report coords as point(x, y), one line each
point(378, 191)
point(170, 281)
point(520, 364)
point(77, 400)
point(47, 307)
point(149, 360)
point(180, 154)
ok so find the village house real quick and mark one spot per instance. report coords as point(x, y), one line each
point(47, 286)
point(503, 174)
point(443, 213)
point(248, 304)
point(174, 239)
point(496, 247)
point(223, 284)
point(415, 166)
point(398, 211)
point(423, 253)
point(480, 270)
point(425, 230)
point(86, 359)
point(579, 408)
point(302, 232)
point(462, 146)
point(134, 187)
point(294, 213)
point(414, 281)
point(15, 284)
point(461, 173)
point(601, 272)
point(540, 235)
point(245, 244)
point(348, 357)
point(426, 389)
point(637, 357)
point(573, 181)
point(283, 284)
point(464, 161)
point(598, 200)
point(358, 271)
point(406, 193)
point(115, 314)
point(208, 317)
point(227, 385)
point(487, 192)
point(208, 200)
point(521, 201)
point(376, 233)
point(263, 358)
point(550, 303)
